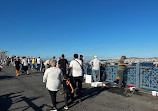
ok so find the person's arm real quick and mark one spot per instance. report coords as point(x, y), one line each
point(71, 64)
point(91, 62)
point(45, 76)
point(67, 64)
point(122, 64)
point(61, 83)
point(61, 76)
point(72, 89)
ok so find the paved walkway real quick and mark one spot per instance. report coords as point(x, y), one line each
point(28, 93)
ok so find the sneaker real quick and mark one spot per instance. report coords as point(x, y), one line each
point(54, 109)
point(66, 108)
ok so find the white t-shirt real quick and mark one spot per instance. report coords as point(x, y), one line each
point(76, 68)
point(38, 61)
point(28, 61)
point(25, 62)
point(96, 64)
point(53, 78)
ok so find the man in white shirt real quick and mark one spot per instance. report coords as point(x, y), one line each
point(77, 73)
point(53, 79)
point(95, 69)
point(25, 65)
point(38, 63)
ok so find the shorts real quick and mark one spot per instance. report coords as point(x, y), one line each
point(25, 68)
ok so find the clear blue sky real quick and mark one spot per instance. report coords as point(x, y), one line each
point(107, 28)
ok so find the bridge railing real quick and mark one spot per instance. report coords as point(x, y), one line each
point(139, 76)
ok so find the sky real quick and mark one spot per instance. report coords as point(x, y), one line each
point(106, 28)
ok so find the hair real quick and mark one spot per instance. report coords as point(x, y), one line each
point(81, 56)
point(65, 76)
point(17, 58)
point(62, 55)
point(53, 63)
point(123, 57)
point(75, 55)
point(53, 57)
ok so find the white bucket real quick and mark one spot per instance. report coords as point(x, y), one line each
point(88, 79)
point(157, 94)
point(97, 84)
point(154, 93)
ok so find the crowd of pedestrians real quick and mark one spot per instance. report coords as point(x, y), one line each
point(57, 76)
point(68, 77)
point(23, 64)
point(63, 75)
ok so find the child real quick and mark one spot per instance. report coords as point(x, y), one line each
point(67, 88)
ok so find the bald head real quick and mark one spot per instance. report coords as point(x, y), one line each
point(53, 63)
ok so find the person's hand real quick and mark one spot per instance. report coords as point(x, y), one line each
point(72, 91)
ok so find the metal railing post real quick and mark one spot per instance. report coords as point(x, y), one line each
point(137, 76)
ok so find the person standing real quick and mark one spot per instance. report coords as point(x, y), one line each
point(63, 64)
point(77, 74)
point(17, 66)
point(67, 90)
point(47, 63)
point(29, 63)
point(121, 70)
point(81, 58)
point(95, 69)
point(33, 63)
point(58, 62)
point(25, 65)
point(53, 79)
point(38, 63)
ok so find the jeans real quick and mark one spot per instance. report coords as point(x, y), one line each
point(33, 66)
point(95, 75)
point(38, 67)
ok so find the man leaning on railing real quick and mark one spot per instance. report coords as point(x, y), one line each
point(121, 70)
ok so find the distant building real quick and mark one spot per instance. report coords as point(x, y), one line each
point(3, 54)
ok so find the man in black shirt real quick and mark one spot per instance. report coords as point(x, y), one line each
point(63, 63)
point(81, 58)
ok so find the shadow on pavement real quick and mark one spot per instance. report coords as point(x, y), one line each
point(89, 93)
point(6, 101)
point(121, 91)
point(6, 77)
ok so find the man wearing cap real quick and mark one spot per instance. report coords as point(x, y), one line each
point(120, 70)
point(95, 69)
